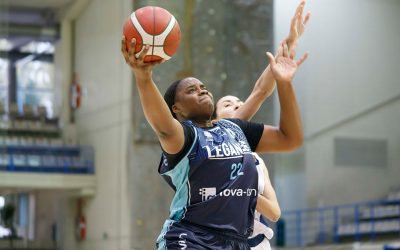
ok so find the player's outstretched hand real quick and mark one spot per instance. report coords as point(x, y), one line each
point(297, 27)
point(284, 67)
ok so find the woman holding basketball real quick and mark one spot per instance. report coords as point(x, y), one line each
point(210, 164)
point(232, 107)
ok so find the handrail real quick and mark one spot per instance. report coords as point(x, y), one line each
point(341, 223)
point(47, 159)
point(374, 202)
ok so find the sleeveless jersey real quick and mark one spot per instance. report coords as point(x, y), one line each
point(215, 183)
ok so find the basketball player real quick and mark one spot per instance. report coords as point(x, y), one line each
point(211, 164)
point(233, 107)
point(267, 203)
point(189, 146)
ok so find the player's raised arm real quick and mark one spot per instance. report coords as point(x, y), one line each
point(263, 88)
point(265, 84)
point(169, 131)
point(267, 203)
point(289, 135)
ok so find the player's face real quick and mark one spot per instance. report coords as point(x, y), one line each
point(193, 101)
point(227, 106)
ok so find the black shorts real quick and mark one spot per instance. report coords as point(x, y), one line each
point(182, 235)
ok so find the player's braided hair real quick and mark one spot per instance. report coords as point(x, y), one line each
point(169, 95)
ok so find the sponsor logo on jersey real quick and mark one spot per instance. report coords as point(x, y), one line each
point(225, 149)
point(182, 241)
point(207, 193)
point(210, 192)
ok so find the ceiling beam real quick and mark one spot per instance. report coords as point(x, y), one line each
point(23, 15)
point(34, 32)
point(16, 55)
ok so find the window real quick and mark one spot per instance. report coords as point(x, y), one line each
point(35, 85)
point(3, 81)
point(3, 231)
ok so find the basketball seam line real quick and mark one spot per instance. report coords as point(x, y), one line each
point(158, 46)
point(170, 20)
point(154, 31)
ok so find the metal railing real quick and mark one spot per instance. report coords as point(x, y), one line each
point(47, 159)
point(341, 223)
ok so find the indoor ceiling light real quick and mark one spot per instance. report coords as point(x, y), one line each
point(5, 45)
point(38, 48)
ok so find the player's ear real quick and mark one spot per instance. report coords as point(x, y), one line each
point(175, 109)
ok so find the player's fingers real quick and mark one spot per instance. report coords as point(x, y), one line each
point(123, 48)
point(298, 22)
point(293, 23)
point(271, 59)
point(131, 50)
point(123, 45)
point(144, 52)
point(299, 17)
point(292, 51)
point(300, 6)
point(306, 18)
point(302, 59)
point(280, 50)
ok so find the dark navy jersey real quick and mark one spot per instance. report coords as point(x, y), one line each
point(215, 182)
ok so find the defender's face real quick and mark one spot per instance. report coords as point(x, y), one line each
point(227, 106)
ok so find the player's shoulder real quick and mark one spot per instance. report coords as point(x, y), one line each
point(230, 122)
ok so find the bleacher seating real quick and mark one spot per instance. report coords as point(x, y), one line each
point(370, 221)
point(380, 218)
point(31, 142)
point(31, 121)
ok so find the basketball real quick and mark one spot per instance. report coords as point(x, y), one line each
point(156, 27)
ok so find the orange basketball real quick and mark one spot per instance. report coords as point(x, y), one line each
point(156, 27)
